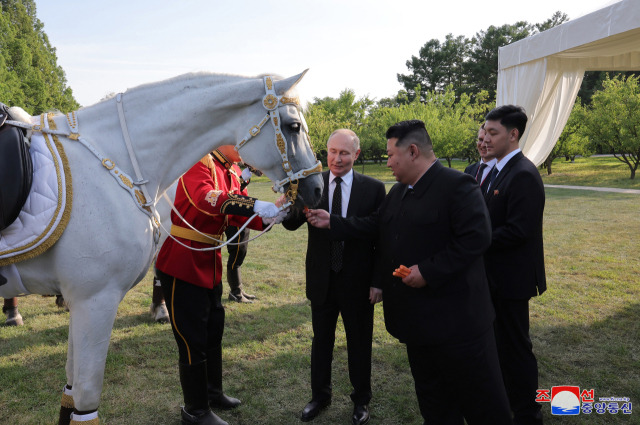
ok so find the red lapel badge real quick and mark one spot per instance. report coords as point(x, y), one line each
point(496, 192)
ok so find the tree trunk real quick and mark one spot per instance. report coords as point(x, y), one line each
point(547, 163)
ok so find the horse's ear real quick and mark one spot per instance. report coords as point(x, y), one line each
point(283, 86)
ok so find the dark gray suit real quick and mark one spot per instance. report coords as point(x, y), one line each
point(345, 292)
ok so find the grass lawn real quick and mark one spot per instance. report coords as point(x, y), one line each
point(600, 171)
point(585, 330)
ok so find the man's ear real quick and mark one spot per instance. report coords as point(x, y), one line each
point(413, 150)
point(514, 134)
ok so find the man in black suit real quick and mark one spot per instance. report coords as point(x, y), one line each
point(515, 260)
point(435, 222)
point(481, 169)
point(339, 279)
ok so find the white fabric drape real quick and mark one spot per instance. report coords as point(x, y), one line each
point(543, 73)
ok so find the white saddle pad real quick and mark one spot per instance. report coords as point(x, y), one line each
point(46, 211)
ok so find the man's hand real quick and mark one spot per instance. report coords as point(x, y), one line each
point(414, 279)
point(265, 209)
point(318, 218)
point(375, 295)
point(277, 219)
point(281, 201)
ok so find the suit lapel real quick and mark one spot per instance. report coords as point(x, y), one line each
point(495, 186)
point(324, 201)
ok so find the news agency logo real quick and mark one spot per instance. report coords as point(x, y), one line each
point(568, 400)
point(565, 400)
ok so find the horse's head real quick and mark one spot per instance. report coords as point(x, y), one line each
point(289, 161)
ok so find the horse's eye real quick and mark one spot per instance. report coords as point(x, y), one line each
point(295, 127)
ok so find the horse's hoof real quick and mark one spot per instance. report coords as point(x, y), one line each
point(159, 312)
point(14, 318)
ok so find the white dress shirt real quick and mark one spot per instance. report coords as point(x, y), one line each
point(346, 185)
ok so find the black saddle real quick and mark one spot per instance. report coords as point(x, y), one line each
point(16, 169)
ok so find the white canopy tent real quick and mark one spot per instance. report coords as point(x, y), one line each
point(543, 73)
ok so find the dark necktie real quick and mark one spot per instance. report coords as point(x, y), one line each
point(336, 246)
point(480, 172)
point(492, 177)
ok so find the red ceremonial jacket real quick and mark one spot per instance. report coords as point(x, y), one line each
point(209, 197)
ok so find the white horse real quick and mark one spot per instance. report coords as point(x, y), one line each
point(109, 243)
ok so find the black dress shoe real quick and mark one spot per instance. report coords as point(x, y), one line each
point(312, 409)
point(360, 414)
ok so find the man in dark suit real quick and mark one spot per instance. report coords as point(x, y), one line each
point(515, 260)
point(481, 169)
point(435, 222)
point(339, 279)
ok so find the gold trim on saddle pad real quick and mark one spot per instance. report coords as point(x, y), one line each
point(192, 235)
point(50, 140)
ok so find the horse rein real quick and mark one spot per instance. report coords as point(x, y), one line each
point(271, 101)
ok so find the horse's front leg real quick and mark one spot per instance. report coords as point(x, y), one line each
point(67, 404)
point(89, 334)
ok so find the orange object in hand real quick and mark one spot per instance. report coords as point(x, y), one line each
point(402, 271)
point(305, 209)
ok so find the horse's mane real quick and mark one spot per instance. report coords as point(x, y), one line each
point(215, 78)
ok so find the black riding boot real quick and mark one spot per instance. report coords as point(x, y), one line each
point(193, 379)
point(236, 292)
point(217, 398)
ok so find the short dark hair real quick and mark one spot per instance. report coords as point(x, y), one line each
point(510, 116)
point(410, 131)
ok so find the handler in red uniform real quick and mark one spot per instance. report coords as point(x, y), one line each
point(208, 198)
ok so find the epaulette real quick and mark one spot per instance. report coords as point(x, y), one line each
point(222, 159)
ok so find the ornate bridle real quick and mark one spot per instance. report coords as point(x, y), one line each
point(271, 101)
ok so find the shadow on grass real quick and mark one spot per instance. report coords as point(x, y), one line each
point(142, 386)
point(603, 356)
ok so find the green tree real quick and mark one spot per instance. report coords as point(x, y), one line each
point(438, 66)
point(572, 141)
point(482, 66)
point(30, 76)
point(470, 66)
point(612, 122)
point(328, 114)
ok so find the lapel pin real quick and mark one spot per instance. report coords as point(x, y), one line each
point(496, 192)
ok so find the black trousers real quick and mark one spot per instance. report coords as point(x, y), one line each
point(461, 381)
point(352, 303)
point(518, 363)
point(197, 317)
point(237, 253)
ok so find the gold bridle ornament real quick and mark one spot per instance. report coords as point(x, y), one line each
point(271, 101)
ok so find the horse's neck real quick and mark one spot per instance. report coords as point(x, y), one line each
point(172, 125)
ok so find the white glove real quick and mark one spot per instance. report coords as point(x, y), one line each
point(246, 174)
point(265, 209)
point(277, 219)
